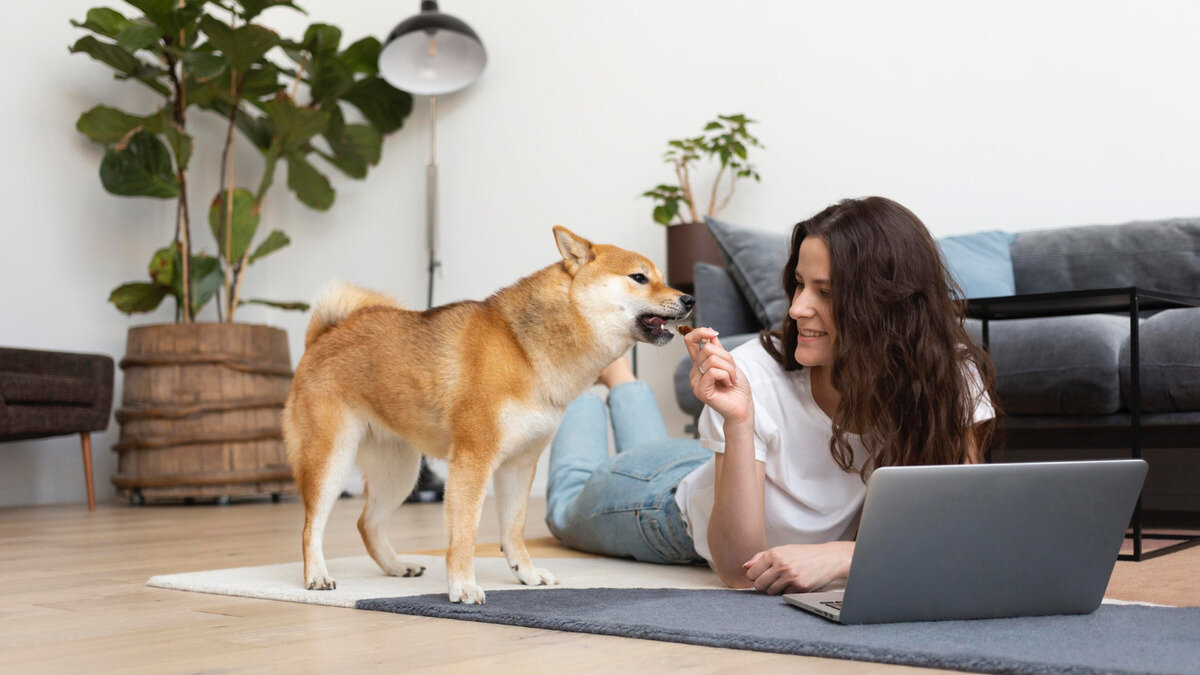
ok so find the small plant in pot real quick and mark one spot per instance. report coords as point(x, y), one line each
point(725, 140)
point(201, 401)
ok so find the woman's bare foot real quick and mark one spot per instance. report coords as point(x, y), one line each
point(617, 372)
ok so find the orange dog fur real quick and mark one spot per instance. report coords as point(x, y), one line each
point(482, 385)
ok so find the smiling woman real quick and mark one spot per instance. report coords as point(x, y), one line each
point(870, 368)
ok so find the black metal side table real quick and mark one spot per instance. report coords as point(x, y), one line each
point(1098, 301)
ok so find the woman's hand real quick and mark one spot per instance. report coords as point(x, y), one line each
point(799, 568)
point(715, 378)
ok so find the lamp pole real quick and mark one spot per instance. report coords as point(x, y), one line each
point(431, 54)
point(431, 202)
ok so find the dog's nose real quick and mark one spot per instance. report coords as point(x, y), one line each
point(688, 302)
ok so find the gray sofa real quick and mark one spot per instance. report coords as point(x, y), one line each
point(1062, 382)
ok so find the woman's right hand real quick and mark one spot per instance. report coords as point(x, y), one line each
point(715, 378)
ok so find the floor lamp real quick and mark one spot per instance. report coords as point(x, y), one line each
point(430, 54)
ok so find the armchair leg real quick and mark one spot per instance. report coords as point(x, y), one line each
point(87, 469)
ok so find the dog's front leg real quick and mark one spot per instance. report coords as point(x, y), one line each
point(513, 480)
point(466, 484)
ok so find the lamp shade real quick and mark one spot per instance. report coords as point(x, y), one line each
point(432, 53)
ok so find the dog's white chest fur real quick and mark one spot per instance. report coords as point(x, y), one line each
point(524, 424)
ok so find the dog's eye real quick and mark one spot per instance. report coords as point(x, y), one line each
point(640, 278)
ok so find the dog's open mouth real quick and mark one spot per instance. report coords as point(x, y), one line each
point(655, 325)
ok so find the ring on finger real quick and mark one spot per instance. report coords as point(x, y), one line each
point(701, 369)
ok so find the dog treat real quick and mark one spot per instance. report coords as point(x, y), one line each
point(684, 330)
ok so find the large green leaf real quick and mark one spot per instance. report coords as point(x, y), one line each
point(115, 56)
point(107, 125)
point(206, 280)
point(384, 106)
point(179, 140)
point(328, 78)
point(274, 241)
point(294, 125)
point(119, 59)
point(310, 185)
point(103, 21)
point(245, 222)
point(260, 81)
point(138, 34)
point(138, 296)
point(171, 16)
point(252, 8)
point(241, 46)
point(321, 38)
point(204, 62)
point(362, 56)
point(141, 169)
point(162, 265)
point(257, 129)
point(358, 147)
point(294, 306)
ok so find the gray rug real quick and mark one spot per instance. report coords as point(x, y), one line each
point(1115, 638)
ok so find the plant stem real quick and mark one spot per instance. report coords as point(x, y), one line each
point(237, 283)
point(725, 202)
point(681, 172)
point(183, 234)
point(227, 164)
point(299, 76)
point(712, 197)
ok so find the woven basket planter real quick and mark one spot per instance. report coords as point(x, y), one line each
point(200, 413)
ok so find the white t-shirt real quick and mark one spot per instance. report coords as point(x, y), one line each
point(808, 498)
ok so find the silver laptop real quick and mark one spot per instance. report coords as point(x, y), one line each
point(984, 541)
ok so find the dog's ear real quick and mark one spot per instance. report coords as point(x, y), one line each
point(576, 251)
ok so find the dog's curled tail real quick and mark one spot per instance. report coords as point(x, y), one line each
point(337, 302)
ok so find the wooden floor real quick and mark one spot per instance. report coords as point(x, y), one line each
point(73, 598)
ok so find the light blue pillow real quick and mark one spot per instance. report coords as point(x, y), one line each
point(981, 263)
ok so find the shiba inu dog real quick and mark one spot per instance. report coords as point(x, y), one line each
point(482, 385)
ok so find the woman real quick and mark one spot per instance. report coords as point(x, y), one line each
point(872, 367)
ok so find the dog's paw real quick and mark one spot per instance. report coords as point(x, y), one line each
point(320, 582)
point(402, 569)
point(534, 576)
point(466, 592)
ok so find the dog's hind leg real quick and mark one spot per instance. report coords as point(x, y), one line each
point(390, 468)
point(324, 475)
point(512, 482)
point(466, 485)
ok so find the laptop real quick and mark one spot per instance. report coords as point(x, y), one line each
point(984, 541)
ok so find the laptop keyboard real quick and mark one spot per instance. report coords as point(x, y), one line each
point(836, 604)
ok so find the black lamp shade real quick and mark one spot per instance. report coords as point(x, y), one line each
point(432, 53)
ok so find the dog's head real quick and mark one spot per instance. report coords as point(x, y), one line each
point(620, 292)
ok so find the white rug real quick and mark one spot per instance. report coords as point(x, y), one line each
point(359, 578)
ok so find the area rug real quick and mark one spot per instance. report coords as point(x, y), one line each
point(1115, 638)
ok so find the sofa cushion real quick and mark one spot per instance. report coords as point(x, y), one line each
point(719, 303)
point(756, 262)
point(1169, 351)
point(1059, 365)
point(981, 263)
point(1160, 254)
point(30, 389)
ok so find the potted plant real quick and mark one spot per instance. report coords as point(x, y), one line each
point(201, 402)
point(727, 140)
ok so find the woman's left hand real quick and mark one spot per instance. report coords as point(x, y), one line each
point(799, 568)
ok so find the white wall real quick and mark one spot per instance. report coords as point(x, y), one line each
point(1012, 115)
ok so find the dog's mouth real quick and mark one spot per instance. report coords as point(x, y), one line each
point(655, 325)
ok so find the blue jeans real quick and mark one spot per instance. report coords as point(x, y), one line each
point(621, 505)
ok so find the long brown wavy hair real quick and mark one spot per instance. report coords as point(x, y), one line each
point(902, 355)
